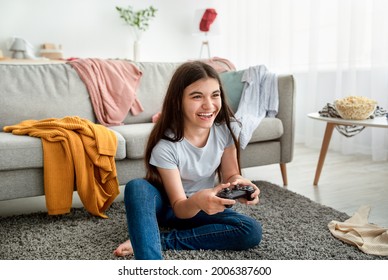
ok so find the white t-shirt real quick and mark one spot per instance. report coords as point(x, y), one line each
point(197, 166)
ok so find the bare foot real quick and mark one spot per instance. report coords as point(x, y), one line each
point(124, 249)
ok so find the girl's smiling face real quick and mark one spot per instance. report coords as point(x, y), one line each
point(201, 103)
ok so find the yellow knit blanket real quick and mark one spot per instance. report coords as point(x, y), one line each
point(76, 151)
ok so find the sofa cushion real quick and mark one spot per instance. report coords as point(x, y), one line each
point(41, 91)
point(120, 152)
point(231, 82)
point(22, 151)
point(136, 137)
point(268, 129)
point(152, 89)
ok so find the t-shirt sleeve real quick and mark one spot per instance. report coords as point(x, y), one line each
point(164, 156)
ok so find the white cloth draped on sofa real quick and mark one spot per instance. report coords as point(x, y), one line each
point(259, 99)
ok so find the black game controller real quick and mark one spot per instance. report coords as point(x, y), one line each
point(238, 191)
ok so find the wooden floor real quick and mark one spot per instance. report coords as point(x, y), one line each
point(346, 183)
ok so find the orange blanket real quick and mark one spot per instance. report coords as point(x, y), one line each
point(112, 87)
point(75, 150)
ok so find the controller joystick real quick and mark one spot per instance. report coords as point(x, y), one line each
point(236, 192)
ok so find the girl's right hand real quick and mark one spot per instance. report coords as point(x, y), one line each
point(208, 201)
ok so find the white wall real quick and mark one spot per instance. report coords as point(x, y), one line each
point(92, 28)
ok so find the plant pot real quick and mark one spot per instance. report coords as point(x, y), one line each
point(136, 50)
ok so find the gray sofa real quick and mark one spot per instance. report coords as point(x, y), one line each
point(54, 90)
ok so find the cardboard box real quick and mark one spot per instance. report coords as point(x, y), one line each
point(51, 51)
point(52, 54)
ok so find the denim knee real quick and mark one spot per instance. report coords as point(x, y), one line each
point(139, 193)
point(135, 189)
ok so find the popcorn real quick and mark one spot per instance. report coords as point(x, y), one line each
point(355, 107)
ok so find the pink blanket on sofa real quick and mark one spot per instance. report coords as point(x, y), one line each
point(112, 88)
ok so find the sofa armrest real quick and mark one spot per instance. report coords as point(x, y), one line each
point(286, 113)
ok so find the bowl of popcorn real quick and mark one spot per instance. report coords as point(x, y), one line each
point(355, 107)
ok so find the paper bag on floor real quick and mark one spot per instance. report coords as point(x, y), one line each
point(369, 238)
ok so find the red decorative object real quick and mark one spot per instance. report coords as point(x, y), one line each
point(207, 19)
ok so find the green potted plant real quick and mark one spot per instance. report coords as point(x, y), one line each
point(139, 22)
point(137, 19)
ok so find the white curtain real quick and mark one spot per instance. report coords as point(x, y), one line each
point(334, 48)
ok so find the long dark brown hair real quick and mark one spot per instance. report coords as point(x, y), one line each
point(171, 118)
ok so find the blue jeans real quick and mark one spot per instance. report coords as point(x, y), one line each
point(148, 209)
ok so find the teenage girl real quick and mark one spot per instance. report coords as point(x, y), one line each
point(191, 155)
